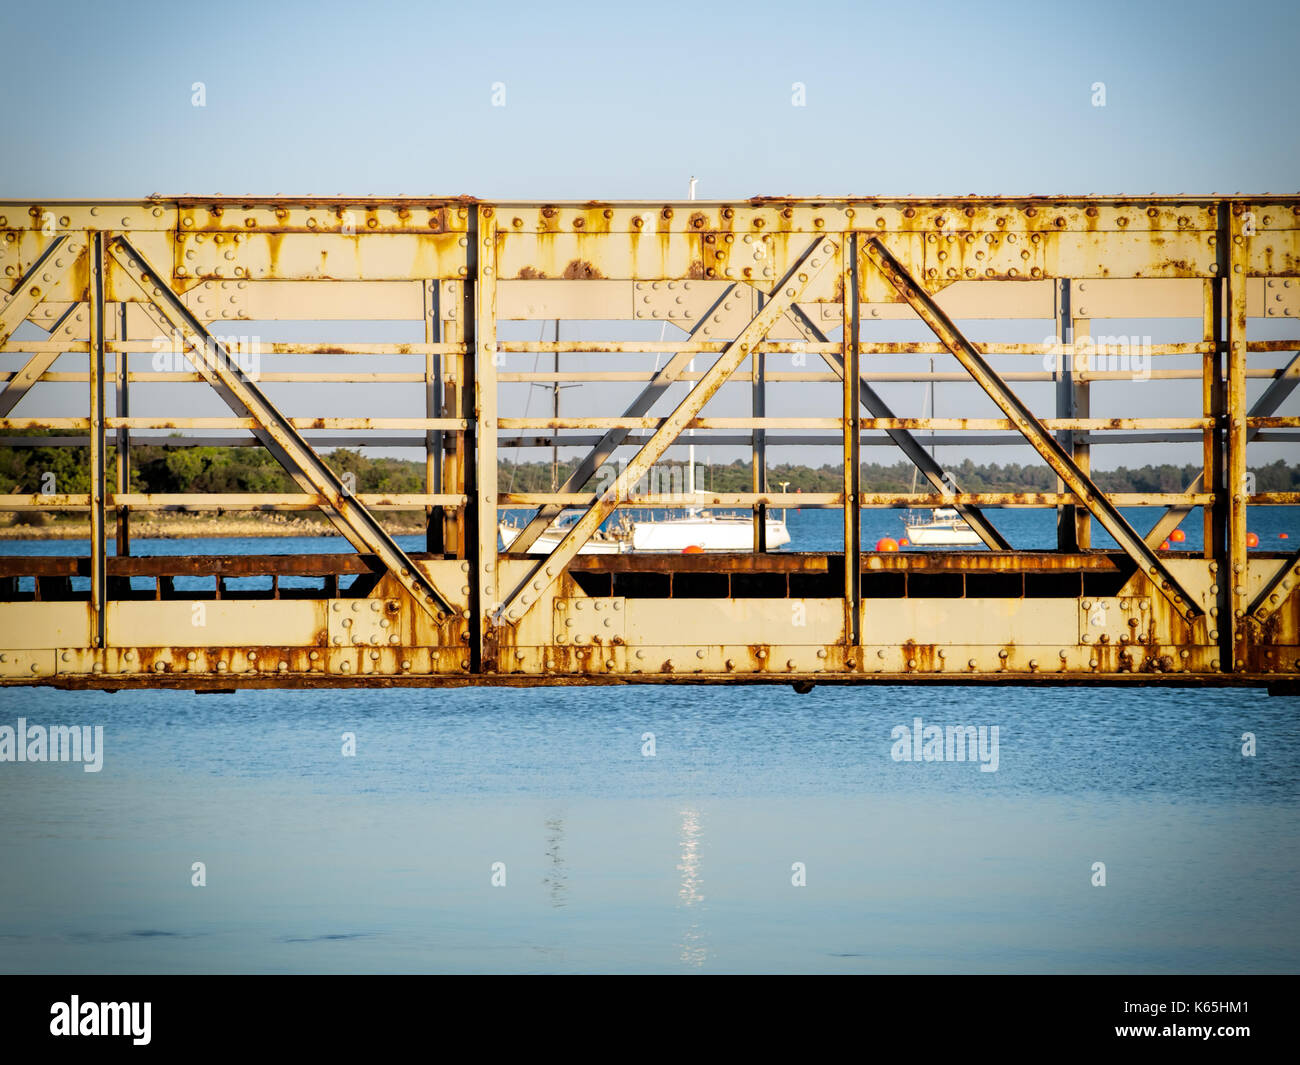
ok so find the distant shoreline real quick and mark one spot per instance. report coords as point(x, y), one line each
point(185, 527)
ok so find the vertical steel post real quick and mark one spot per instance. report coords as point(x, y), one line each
point(456, 318)
point(98, 580)
point(434, 534)
point(121, 363)
point(758, 460)
point(485, 360)
point(555, 413)
point(852, 415)
point(1236, 577)
point(1066, 516)
point(1214, 473)
point(1081, 407)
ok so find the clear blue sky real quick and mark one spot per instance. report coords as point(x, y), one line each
point(621, 101)
point(605, 100)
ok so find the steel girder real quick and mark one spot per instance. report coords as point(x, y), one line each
point(818, 256)
point(277, 434)
point(1267, 404)
point(912, 448)
point(610, 442)
point(1042, 440)
point(457, 267)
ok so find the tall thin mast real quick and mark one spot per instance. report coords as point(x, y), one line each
point(932, 410)
point(555, 414)
point(690, 460)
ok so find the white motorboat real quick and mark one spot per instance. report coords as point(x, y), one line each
point(705, 530)
point(942, 527)
point(695, 530)
point(615, 541)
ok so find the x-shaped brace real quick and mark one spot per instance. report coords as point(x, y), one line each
point(277, 434)
point(1032, 429)
point(820, 254)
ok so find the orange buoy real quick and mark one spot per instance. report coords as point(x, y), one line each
point(693, 549)
point(1252, 539)
point(888, 543)
point(1164, 546)
point(1284, 536)
point(904, 542)
point(1177, 536)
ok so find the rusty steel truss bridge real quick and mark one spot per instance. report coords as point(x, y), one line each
point(763, 297)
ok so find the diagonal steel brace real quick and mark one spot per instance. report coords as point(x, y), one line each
point(1267, 404)
point(611, 441)
point(1032, 429)
point(35, 285)
point(526, 592)
point(908, 444)
point(1277, 591)
point(277, 433)
point(13, 391)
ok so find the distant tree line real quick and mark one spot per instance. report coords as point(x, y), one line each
point(157, 469)
point(970, 477)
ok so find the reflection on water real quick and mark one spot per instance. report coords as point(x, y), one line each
point(556, 880)
point(692, 948)
point(318, 863)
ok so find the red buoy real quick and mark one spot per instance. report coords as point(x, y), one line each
point(1252, 539)
point(1177, 536)
point(693, 549)
point(904, 542)
point(1284, 536)
point(1164, 546)
point(887, 544)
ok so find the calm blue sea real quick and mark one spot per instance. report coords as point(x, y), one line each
point(684, 861)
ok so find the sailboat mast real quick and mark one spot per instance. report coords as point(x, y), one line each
point(555, 413)
point(932, 411)
point(927, 400)
point(690, 457)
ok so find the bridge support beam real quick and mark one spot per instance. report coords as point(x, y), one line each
point(211, 358)
point(910, 446)
point(819, 255)
point(1078, 482)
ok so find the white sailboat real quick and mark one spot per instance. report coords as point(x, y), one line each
point(696, 529)
point(604, 541)
point(614, 541)
point(699, 529)
point(941, 526)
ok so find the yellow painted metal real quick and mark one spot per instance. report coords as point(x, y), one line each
point(731, 286)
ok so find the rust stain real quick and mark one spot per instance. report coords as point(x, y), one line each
point(581, 270)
